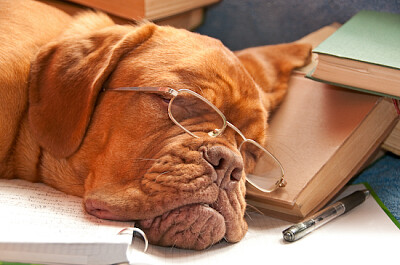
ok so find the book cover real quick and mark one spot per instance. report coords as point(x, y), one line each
point(369, 36)
point(363, 54)
point(322, 135)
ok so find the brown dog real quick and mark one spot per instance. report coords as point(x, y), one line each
point(62, 124)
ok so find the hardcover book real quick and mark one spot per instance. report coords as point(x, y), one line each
point(392, 143)
point(145, 9)
point(323, 135)
point(363, 54)
point(188, 15)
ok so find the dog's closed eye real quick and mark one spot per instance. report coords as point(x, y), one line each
point(165, 99)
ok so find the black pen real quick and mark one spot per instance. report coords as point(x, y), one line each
point(342, 206)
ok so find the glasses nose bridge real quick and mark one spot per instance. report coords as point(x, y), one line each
point(217, 132)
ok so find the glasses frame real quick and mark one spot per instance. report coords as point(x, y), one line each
point(174, 93)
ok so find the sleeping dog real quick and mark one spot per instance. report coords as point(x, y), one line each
point(143, 122)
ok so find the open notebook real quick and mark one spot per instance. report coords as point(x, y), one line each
point(41, 225)
point(364, 234)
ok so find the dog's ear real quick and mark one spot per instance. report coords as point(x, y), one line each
point(271, 66)
point(65, 79)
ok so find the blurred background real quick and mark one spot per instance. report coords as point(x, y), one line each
point(243, 23)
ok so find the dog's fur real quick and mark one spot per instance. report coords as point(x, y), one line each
point(61, 125)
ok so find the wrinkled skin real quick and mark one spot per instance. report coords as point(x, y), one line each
point(121, 152)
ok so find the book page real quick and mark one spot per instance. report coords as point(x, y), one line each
point(53, 216)
point(39, 224)
point(365, 229)
point(365, 235)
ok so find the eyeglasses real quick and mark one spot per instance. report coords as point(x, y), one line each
point(198, 117)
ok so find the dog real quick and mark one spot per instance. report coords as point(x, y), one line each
point(63, 123)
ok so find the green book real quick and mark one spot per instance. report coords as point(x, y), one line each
point(363, 54)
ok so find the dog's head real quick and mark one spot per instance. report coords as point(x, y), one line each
point(134, 163)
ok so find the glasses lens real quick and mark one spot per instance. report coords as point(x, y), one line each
point(196, 115)
point(261, 168)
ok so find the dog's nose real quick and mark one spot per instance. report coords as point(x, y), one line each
point(227, 164)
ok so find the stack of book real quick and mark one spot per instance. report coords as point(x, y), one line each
point(364, 55)
point(325, 132)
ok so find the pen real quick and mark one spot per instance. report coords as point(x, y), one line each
point(342, 206)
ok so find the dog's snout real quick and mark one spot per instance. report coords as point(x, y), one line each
point(227, 164)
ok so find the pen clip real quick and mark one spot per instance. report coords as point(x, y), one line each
point(133, 230)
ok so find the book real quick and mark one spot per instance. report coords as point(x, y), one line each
point(39, 224)
point(188, 20)
point(263, 241)
point(363, 54)
point(145, 9)
point(323, 135)
point(392, 143)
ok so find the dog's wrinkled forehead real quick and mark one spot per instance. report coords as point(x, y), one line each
point(185, 60)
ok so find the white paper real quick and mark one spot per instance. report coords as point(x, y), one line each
point(365, 235)
point(40, 224)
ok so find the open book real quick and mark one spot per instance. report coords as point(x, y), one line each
point(41, 225)
point(77, 238)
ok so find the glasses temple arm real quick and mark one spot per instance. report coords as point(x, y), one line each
point(146, 89)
